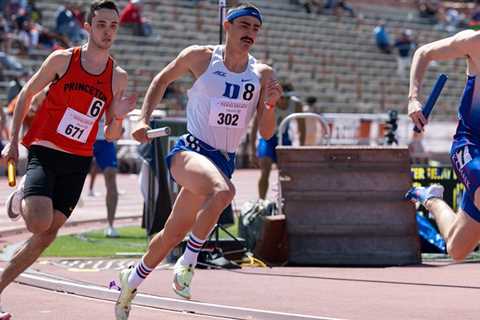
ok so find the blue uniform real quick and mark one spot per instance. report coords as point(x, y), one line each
point(225, 161)
point(465, 151)
point(105, 154)
point(266, 148)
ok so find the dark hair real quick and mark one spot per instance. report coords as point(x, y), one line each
point(243, 5)
point(101, 4)
point(311, 100)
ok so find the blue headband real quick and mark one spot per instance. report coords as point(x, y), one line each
point(244, 12)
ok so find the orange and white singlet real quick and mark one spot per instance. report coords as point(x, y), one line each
point(69, 115)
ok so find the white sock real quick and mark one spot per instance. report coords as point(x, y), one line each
point(190, 256)
point(140, 272)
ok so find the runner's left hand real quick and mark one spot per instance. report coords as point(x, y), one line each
point(273, 92)
point(123, 105)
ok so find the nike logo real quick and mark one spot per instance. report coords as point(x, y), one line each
point(220, 73)
point(245, 80)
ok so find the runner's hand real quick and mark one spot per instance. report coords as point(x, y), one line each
point(273, 92)
point(139, 132)
point(123, 105)
point(415, 113)
point(10, 151)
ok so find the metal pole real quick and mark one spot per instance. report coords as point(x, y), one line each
point(221, 13)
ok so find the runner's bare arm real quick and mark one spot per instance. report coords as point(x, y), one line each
point(271, 92)
point(180, 66)
point(461, 45)
point(52, 68)
point(120, 105)
point(183, 64)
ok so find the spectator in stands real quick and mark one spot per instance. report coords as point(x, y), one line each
point(16, 85)
point(28, 37)
point(10, 62)
point(5, 35)
point(312, 6)
point(475, 17)
point(382, 38)
point(131, 16)
point(335, 6)
point(405, 47)
point(450, 19)
point(34, 12)
point(428, 9)
point(67, 25)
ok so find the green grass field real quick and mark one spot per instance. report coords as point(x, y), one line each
point(132, 241)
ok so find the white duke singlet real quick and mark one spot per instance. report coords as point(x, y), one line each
point(221, 103)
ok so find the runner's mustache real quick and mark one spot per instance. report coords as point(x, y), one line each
point(247, 38)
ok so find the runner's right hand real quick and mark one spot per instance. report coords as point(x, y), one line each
point(10, 152)
point(139, 132)
point(415, 113)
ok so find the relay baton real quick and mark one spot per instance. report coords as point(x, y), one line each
point(11, 173)
point(160, 132)
point(432, 98)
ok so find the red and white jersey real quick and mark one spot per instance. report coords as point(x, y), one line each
point(69, 115)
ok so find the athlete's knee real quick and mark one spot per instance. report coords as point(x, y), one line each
point(38, 215)
point(223, 194)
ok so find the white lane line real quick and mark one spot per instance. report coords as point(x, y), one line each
point(93, 291)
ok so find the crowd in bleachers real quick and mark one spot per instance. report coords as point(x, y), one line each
point(330, 57)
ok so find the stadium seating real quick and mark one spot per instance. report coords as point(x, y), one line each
point(334, 59)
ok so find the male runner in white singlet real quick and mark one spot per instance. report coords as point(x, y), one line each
point(230, 87)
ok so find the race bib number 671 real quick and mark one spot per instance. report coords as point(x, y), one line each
point(75, 125)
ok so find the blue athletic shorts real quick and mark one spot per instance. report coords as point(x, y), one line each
point(466, 161)
point(266, 148)
point(105, 154)
point(224, 161)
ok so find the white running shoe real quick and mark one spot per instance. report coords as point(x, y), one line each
point(182, 279)
point(5, 315)
point(14, 202)
point(124, 301)
point(111, 232)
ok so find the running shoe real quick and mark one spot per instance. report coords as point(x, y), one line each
point(182, 278)
point(4, 315)
point(14, 202)
point(124, 301)
point(111, 232)
point(422, 194)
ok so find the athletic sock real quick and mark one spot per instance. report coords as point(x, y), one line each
point(190, 256)
point(140, 272)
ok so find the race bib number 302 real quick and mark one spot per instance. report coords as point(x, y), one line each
point(75, 125)
point(227, 113)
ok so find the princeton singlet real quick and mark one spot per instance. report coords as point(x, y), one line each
point(68, 117)
point(221, 103)
point(468, 129)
